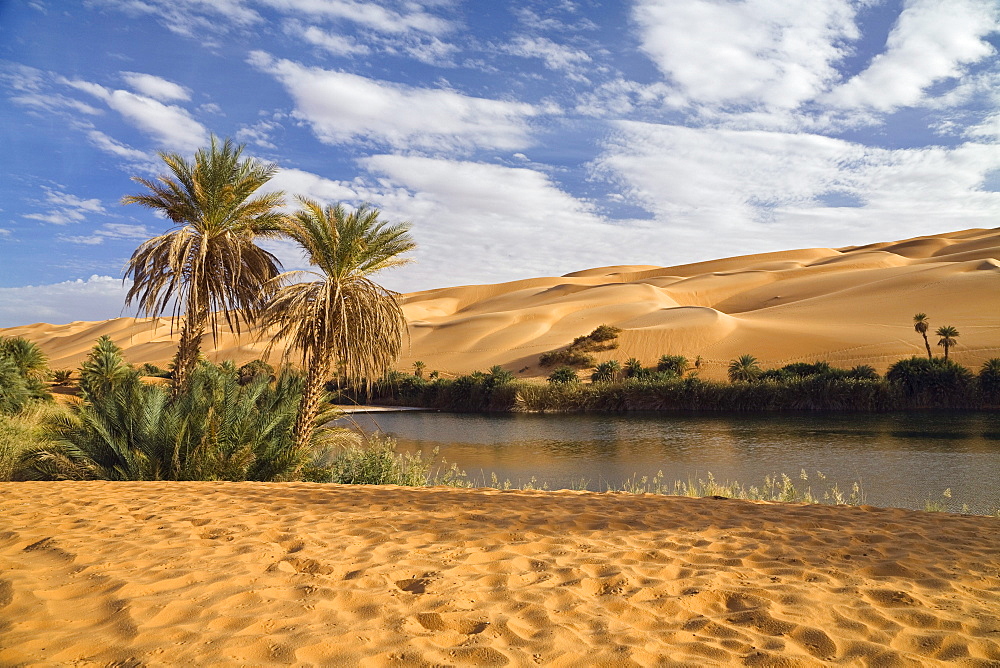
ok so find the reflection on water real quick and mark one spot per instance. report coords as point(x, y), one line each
point(901, 459)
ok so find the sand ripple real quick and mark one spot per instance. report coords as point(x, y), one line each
point(305, 574)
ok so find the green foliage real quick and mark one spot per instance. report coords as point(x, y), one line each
point(254, 369)
point(775, 488)
point(29, 359)
point(803, 369)
point(492, 391)
point(744, 368)
point(932, 382)
point(989, 380)
point(375, 462)
point(15, 391)
point(668, 393)
point(672, 364)
point(601, 339)
point(499, 376)
point(603, 333)
point(566, 357)
point(949, 336)
point(151, 370)
point(26, 430)
point(62, 377)
point(217, 429)
point(104, 370)
point(633, 368)
point(606, 372)
point(23, 369)
point(863, 372)
point(563, 374)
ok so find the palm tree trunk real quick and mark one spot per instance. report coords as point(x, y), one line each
point(187, 352)
point(927, 344)
point(946, 352)
point(312, 396)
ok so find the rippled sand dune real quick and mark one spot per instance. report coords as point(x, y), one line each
point(107, 573)
point(848, 306)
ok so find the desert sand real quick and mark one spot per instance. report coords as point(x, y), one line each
point(848, 306)
point(165, 573)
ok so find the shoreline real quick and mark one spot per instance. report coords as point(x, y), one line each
point(319, 574)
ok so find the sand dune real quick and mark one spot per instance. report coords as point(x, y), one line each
point(848, 306)
point(104, 573)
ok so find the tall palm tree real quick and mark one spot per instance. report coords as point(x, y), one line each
point(342, 314)
point(948, 335)
point(207, 268)
point(920, 325)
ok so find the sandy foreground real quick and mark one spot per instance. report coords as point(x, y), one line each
point(99, 573)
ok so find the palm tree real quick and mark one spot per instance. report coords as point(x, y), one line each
point(920, 325)
point(342, 314)
point(633, 368)
point(606, 372)
point(418, 369)
point(208, 265)
point(26, 356)
point(745, 368)
point(947, 334)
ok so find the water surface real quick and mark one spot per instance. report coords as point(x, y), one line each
point(900, 459)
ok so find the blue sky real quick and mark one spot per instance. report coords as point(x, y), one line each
point(519, 138)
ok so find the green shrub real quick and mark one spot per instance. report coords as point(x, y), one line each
point(254, 368)
point(932, 382)
point(563, 374)
point(27, 430)
point(217, 429)
point(566, 357)
point(603, 333)
point(673, 364)
point(601, 339)
point(989, 380)
point(606, 372)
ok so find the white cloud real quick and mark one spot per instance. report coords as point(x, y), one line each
point(185, 17)
point(115, 147)
point(171, 126)
point(343, 107)
point(156, 87)
point(97, 298)
point(734, 192)
point(931, 41)
point(63, 208)
point(313, 186)
point(555, 56)
point(373, 15)
point(989, 129)
point(110, 231)
point(477, 222)
point(334, 43)
point(775, 53)
point(258, 134)
point(54, 102)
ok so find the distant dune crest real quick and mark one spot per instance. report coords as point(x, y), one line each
point(849, 306)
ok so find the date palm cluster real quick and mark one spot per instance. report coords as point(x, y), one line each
point(209, 270)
